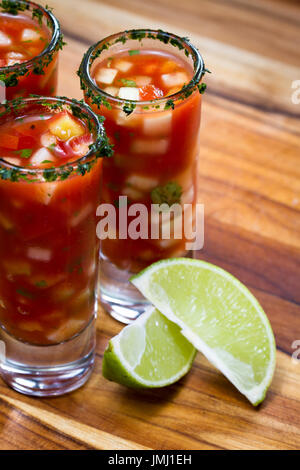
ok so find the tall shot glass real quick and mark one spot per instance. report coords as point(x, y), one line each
point(37, 75)
point(156, 148)
point(49, 260)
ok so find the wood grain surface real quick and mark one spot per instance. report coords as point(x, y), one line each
point(250, 185)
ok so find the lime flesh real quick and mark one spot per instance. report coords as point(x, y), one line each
point(219, 316)
point(151, 352)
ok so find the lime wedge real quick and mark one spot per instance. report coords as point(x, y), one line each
point(219, 316)
point(151, 352)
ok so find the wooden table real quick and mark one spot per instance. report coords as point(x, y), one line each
point(249, 182)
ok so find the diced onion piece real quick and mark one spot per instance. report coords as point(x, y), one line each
point(14, 58)
point(150, 146)
point(64, 127)
point(63, 292)
point(30, 326)
point(12, 161)
point(174, 79)
point(40, 156)
point(106, 76)
point(129, 93)
point(44, 192)
point(168, 66)
point(82, 299)
point(67, 330)
point(111, 90)
point(5, 222)
point(132, 193)
point(2, 305)
point(16, 267)
point(122, 65)
point(131, 120)
point(143, 183)
point(39, 254)
point(30, 35)
point(142, 80)
point(4, 39)
point(158, 124)
point(81, 215)
point(48, 139)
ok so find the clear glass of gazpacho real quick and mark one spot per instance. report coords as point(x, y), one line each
point(50, 174)
point(30, 39)
point(148, 86)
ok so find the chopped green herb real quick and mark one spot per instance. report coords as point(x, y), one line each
point(24, 153)
point(117, 136)
point(47, 161)
point(25, 293)
point(202, 88)
point(113, 186)
point(169, 104)
point(41, 283)
point(134, 52)
point(127, 82)
point(75, 266)
point(169, 194)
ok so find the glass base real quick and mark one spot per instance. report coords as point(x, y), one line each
point(45, 371)
point(117, 295)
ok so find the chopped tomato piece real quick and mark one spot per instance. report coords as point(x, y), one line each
point(9, 141)
point(26, 142)
point(150, 92)
point(80, 145)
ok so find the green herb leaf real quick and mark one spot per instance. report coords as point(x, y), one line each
point(25, 293)
point(169, 104)
point(202, 88)
point(169, 194)
point(24, 153)
point(127, 82)
point(41, 283)
point(134, 52)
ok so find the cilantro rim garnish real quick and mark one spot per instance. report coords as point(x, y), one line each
point(100, 148)
point(10, 75)
point(98, 97)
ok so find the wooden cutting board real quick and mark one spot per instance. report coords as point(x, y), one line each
point(250, 185)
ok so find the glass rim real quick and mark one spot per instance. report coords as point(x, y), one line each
point(90, 155)
point(88, 59)
point(55, 26)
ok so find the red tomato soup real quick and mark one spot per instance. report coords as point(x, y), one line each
point(48, 243)
point(28, 65)
point(156, 150)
